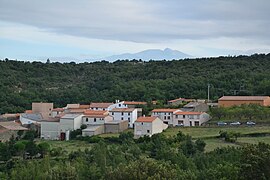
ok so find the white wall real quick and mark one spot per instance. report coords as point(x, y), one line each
point(187, 119)
point(130, 116)
point(50, 130)
point(70, 123)
point(166, 117)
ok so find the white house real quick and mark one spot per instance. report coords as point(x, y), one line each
point(129, 114)
point(147, 126)
point(70, 122)
point(101, 106)
point(50, 129)
point(95, 117)
point(166, 115)
point(182, 118)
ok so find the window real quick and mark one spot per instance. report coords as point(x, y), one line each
point(128, 119)
point(112, 113)
point(119, 105)
point(184, 116)
point(176, 116)
point(142, 123)
point(181, 122)
point(166, 122)
point(101, 119)
point(197, 123)
point(129, 113)
point(164, 113)
point(164, 117)
point(122, 118)
point(148, 131)
point(198, 116)
point(190, 123)
point(95, 120)
point(86, 119)
point(122, 114)
point(169, 117)
point(103, 109)
point(191, 117)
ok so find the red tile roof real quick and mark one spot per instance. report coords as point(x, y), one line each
point(122, 109)
point(146, 119)
point(84, 106)
point(243, 98)
point(58, 109)
point(76, 110)
point(100, 105)
point(164, 110)
point(92, 112)
point(188, 113)
point(134, 103)
point(11, 125)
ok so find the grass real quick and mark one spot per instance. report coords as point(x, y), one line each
point(207, 132)
point(69, 146)
point(212, 144)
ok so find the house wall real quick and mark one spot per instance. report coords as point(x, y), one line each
point(158, 126)
point(78, 122)
point(50, 130)
point(189, 120)
point(70, 123)
point(95, 121)
point(223, 103)
point(116, 128)
point(99, 130)
point(44, 108)
point(130, 116)
point(166, 117)
point(140, 129)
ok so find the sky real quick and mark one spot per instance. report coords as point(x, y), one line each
point(69, 30)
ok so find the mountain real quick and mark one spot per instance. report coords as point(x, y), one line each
point(154, 54)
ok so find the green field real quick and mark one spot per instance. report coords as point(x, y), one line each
point(206, 132)
point(69, 146)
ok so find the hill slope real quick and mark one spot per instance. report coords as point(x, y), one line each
point(154, 54)
point(24, 82)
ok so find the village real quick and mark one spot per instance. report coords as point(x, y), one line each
point(100, 117)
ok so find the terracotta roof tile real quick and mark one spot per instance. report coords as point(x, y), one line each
point(146, 119)
point(188, 113)
point(100, 105)
point(165, 110)
point(134, 103)
point(122, 109)
point(243, 98)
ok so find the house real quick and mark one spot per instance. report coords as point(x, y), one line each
point(44, 109)
point(70, 122)
point(57, 111)
point(228, 101)
point(9, 129)
point(182, 118)
point(147, 126)
point(166, 115)
point(178, 101)
point(101, 106)
point(96, 117)
point(50, 129)
point(30, 118)
point(9, 117)
point(196, 106)
point(93, 130)
point(122, 114)
point(134, 104)
point(116, 126)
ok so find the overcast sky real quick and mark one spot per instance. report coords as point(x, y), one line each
point(86, 29)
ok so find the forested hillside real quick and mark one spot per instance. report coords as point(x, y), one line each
point(24, 82)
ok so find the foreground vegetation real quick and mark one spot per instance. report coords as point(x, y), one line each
point(21, 83)
point(159, 157)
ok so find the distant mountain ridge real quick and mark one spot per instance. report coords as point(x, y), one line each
point(154, 54)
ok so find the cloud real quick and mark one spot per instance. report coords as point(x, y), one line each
point(143, 21)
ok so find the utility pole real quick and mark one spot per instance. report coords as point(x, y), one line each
point(208, 91)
